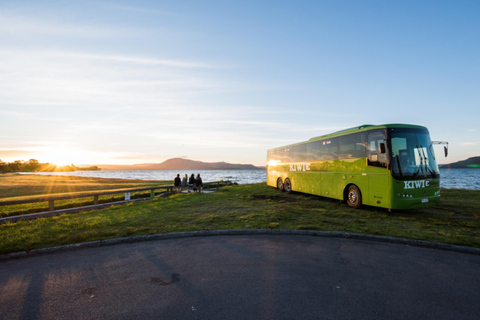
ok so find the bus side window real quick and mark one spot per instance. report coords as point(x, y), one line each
point(275, 156)
point(352, 146)
point(329, 149)
point(313, 151)
point(377, 153)
point(300, 153)
point(288, 155)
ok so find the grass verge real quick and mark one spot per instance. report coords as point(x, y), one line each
point(21, 186)
point(456, 220)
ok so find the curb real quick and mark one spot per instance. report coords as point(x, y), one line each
point(179, 235)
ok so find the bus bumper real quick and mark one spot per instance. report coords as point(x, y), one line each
point(401, 202)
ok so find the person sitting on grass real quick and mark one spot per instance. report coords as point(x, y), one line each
point(191, 183)
point(185, 181)
point(199, 183)
point(177, 182)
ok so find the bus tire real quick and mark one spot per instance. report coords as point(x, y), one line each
point(353, 196)
point(287, 185)
point(279, 184)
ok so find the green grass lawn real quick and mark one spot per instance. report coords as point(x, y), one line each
point(456, 220)
point(21, 186)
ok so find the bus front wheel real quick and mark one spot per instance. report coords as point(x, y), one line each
point(354, 197)
point(279, 184)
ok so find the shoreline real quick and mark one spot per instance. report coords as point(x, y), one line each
point(453, 178)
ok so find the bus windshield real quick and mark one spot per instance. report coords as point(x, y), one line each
point(412, 155)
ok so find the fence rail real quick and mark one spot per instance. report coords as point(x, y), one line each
point(51, 200)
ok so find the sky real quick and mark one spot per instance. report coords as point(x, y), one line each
point(128, 82)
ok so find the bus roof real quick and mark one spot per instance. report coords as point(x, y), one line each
point(366, 127)
point(362, 128)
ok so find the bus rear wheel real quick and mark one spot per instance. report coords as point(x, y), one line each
point(288, 185)
point(354, 197)
point(280, 184)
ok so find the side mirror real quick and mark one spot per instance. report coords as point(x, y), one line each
point(445, 148)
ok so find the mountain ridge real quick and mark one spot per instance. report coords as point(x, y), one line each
point(473, 162)
point(181, 164)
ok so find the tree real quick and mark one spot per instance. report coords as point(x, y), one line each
point(32, 165)
point(4, 167)
point(16, 166)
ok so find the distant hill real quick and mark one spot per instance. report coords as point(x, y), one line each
point(473, 162)
point(181, 164)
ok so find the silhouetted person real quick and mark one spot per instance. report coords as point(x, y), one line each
point(199, 183)
point(191, 183)
point(177, 182)
point(185, 181)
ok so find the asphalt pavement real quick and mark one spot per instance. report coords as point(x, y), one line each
point(243, 277)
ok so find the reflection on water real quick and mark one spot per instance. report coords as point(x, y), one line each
point(449, 178)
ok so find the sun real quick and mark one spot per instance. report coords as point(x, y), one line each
point(64, 157)
point(58, 157)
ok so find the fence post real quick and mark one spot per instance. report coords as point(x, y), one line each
point(152, 193)
point(95, 200)
point(51, 206)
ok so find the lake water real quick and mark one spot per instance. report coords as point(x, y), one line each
point(460, 178)
point(449, 178)
point(238, 176)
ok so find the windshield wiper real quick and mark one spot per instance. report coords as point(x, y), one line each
point(427, 165)
point(420, 167)
point(423, 163)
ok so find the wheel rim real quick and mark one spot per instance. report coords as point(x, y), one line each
point(352, 196)
point(279, 184)
point(287, 186)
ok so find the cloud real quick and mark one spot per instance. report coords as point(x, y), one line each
point(130, 59)
point(58, 78)
point(17, 154)
point(139, 9)
point(24, 25)
point(286, 126)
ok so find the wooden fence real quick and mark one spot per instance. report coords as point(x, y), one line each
point(168, 189)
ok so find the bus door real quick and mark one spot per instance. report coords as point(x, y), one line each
point(377, 171)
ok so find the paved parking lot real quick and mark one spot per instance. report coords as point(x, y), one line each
point(243, 277)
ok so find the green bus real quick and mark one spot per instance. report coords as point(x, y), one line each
point(391, 166)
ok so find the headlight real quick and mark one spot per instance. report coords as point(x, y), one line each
point(405, 195)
